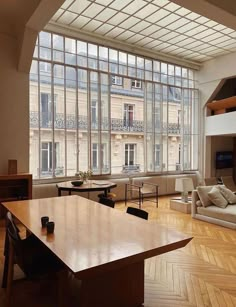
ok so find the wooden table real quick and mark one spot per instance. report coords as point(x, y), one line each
point(89, 186)
point(103, 247)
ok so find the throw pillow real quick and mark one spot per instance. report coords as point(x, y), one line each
point(198, 203)
point(228, 194)
point(202, 193)
point(217, 198)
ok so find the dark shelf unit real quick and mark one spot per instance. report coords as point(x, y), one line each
point(14, 187)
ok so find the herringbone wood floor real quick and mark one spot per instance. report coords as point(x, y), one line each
point(201, 274)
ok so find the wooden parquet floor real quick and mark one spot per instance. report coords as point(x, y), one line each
point(201, 274)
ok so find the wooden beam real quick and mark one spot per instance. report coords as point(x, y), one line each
point(26, 49)
point(43, 13)
point(221, 104)
point(37, 21)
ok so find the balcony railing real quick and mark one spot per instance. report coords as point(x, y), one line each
point(135, 168)
point(69, 122)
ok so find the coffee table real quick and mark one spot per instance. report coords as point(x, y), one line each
point(179, 205)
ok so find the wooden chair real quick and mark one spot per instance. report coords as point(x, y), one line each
point(139, 193)
point(107, 202)
point(33, 258)
point(137, 212)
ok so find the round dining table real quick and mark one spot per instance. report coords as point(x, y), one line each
point(88, 186)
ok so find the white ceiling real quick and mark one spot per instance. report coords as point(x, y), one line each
point(156, 25)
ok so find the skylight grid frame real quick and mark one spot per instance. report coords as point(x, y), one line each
point(173, 9)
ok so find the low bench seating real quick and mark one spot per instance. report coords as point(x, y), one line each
point(166, 185)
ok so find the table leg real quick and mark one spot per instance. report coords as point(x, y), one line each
point(123, 287)
point(105, 193)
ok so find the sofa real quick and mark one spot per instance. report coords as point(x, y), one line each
point(211, 213)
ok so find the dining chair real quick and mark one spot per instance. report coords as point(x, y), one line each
point(32, 256)
point(107, 202)
point(137, 212)
point(139, 193)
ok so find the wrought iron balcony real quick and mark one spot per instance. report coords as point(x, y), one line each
point(173, 128)
point(123, 125)
point(69, 122)
point(135, 168)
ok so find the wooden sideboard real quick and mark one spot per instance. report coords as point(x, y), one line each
point(14, 187)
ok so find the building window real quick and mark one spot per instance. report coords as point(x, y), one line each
point(136, 84)
point(174, 94)
point(48, 157)
point(96, 157)
point(130, 151)
point(157, 157)
point(47, 106)
point(178, 164)
point(115, 80)
point(157, 118)
point(179, 119)
point(94, 113)
point(128, 115)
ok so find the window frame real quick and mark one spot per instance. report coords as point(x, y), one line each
point(136, 84)
point(115, 80)
point(132, 72)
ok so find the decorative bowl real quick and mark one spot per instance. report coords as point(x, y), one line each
point(77, 183)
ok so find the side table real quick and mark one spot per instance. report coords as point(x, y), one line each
point(179, 205)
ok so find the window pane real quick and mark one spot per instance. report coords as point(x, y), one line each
point(70, 45)
point(45, 39)
point(70, 129)
point(58, 42)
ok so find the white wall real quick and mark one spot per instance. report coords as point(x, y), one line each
point(217, 69)
point(210, 77)
point(220, 124)
point(14, 108)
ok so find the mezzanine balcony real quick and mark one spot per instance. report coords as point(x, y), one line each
point(117, 124)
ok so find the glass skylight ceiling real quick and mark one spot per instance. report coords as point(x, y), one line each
point(157, 25)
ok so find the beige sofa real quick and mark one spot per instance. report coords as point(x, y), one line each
point(166, 185)
point(224, 217)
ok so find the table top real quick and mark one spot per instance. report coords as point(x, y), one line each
point(90, 185)
point(91, 238)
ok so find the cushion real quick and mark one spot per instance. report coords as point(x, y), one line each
point(198, 203)
point(217, 198)
point(228, 194)
point(202, 193)
point(228, 214)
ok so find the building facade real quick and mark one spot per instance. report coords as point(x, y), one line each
point(96, 108)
